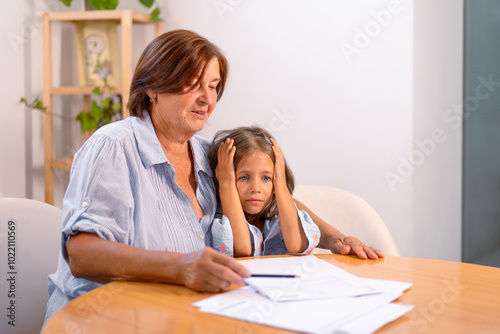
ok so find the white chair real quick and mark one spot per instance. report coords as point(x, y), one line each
point(30, 236)
point(348, 213)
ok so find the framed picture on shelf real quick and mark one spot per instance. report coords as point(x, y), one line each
point(97, 52)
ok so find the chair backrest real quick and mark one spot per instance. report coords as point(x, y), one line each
point(348, 213)
point(30, 237)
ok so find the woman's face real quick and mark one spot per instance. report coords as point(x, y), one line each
point(186, 113)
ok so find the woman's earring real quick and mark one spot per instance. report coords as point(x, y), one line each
point(152, 100)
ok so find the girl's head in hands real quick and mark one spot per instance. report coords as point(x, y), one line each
point(254, 166)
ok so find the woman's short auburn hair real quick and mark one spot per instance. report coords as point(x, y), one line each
point(170, 64)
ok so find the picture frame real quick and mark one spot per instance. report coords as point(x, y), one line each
point(97, 44)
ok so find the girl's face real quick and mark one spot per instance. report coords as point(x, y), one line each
point(254, 182)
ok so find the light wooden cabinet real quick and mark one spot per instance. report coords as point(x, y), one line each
point(126, 18)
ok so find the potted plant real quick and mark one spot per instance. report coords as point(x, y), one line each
point(111, 4)
point(105, 107)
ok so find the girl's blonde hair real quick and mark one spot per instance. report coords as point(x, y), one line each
point(248, 140)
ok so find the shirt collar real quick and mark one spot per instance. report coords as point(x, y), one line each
point(199, 147)
point(148, 145)
point(151, 152)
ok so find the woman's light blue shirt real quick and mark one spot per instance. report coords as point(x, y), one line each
point(123, 188)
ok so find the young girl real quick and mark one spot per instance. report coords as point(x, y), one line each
point(254, 187)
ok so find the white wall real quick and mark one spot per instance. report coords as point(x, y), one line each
point(437, 107)
point(12, 86)
point(342, 122)
point(349, 119)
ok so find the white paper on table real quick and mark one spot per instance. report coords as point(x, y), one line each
point(372, 321)
point(318, 279)
point(326, 315)
point(387, 285)
point(310, 316)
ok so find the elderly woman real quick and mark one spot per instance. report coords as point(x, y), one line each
point(141, 197)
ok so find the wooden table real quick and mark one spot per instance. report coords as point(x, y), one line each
point(449, 297)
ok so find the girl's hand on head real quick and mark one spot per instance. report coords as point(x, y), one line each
point(225, 163)
point(279, 180)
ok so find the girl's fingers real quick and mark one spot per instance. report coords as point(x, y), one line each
point(225, 148)
point(231, 153)
point(279, 167)
point(278, 153)
point(226, 156)
point(277, 150)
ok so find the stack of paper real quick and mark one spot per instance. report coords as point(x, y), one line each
point(324, 299)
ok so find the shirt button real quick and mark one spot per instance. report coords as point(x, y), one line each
point(85, 205)
point(201, 236)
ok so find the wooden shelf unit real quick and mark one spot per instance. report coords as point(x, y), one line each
point(79, 90)
point(126, 18)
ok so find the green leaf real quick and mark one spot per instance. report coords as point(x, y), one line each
point(96, 111)
point(147, 3)
point(39, 105)
point(97, 90)
point(155, 15)
point(105, 103)
point(103, 4)
point(86, 121)
point(66, 2)
point(36, 104)
point(81, 115)
point(116, 107)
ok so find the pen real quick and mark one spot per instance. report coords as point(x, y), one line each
point(275, 275)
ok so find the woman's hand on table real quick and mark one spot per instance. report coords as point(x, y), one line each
point(337, 242)
point(351, 245)
point(210, 271)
